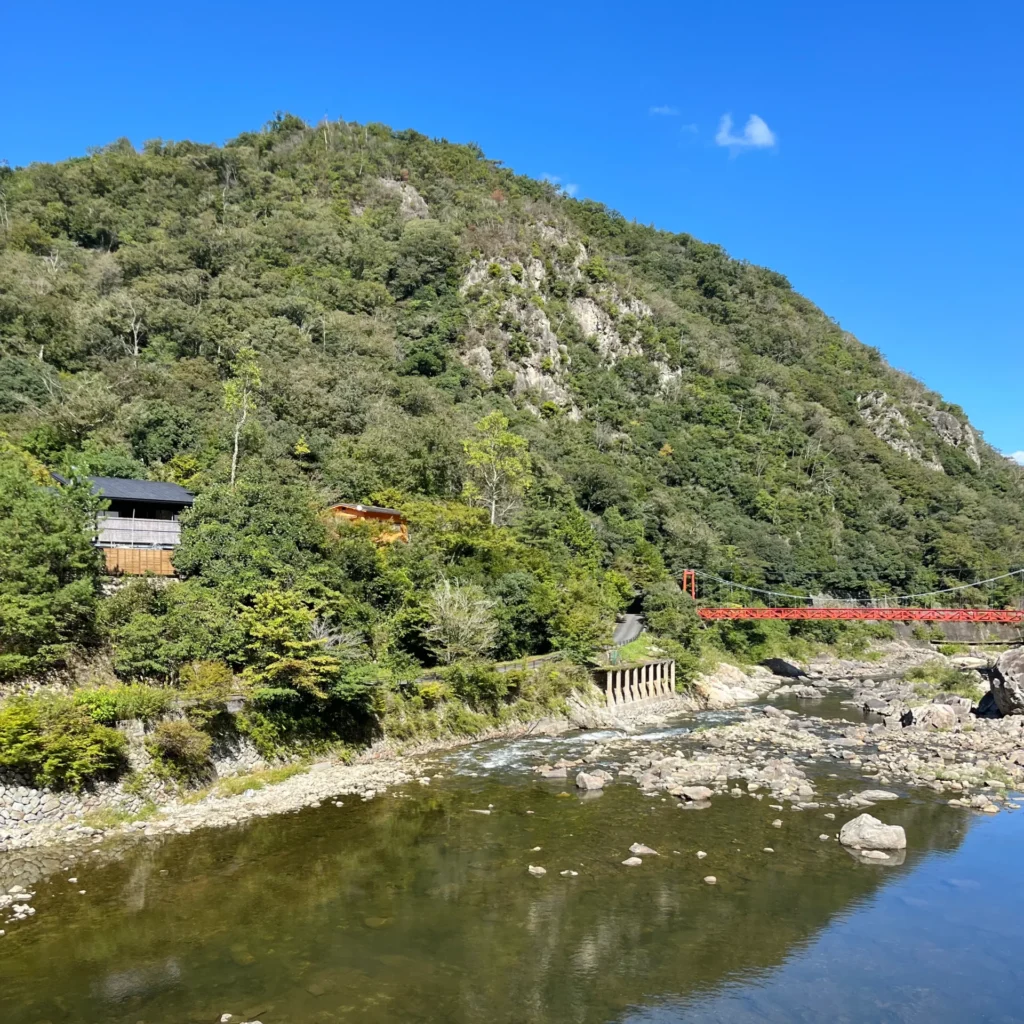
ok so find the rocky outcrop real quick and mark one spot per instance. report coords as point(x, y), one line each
point(597, 324)
point(728, 686)
point(951, 431)
point(411, 205)
point(1007, 686)
point(868, 833)
point(891, 425)
point(888, 423)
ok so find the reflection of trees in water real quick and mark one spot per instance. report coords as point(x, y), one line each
point(416, 909)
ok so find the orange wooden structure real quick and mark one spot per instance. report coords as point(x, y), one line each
point(139, 561)
point(392, 525)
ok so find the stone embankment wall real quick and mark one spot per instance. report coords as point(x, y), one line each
point(25, 809)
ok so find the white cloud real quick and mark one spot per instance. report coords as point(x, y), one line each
point(664, 111)
point(569, 188)
point(1017, 457)
point(756, 134)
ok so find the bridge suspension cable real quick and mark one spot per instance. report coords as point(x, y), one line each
point(891, 597)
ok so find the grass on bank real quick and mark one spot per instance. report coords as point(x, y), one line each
point(107, 818)
point(935, 677)
point(235, 785)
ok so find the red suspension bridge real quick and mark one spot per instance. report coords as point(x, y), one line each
point(891, 609)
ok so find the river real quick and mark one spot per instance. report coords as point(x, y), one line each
point(415, 907)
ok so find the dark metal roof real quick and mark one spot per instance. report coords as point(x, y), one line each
point(140, 490)
point(368, 508)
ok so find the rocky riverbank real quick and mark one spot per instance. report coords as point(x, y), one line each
point(942, 744)
point(969, 754)
point(32, 818)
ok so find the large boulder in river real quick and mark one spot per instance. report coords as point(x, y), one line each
point(934, 716)
point(868, 833)
point(696, 794)
point(781, 667)
point(960, 705)
point(585, 781)
point(1008, 682)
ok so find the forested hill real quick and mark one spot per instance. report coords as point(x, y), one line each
point(376, 294)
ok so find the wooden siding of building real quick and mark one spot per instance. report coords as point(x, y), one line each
point(139, 561)
point(393, 526)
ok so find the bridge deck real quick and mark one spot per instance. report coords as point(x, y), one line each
point(868, 614)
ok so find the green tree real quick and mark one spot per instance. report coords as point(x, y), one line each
point(240, 396)
point(500, 466)
point(287, 652)
point(461, 621)
point(672, 614)
point(49, 570)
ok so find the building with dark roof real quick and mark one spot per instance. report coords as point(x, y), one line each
point(139, 529)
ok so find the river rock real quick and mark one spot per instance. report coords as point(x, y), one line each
point(803, 691)
point(867, 833)
point(536, 870)
point(632, 862)
point(646, 851)
point(697, 794)
point(1008, 682)
point(934, 716)
point(585, 781)
point(553, 773)
point(874, 796)
point(770, 712)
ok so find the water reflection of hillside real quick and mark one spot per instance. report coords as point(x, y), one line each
point(416, 910)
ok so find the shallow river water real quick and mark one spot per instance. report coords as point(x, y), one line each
point(412, 907)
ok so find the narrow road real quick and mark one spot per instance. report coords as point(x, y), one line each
point(628, 629)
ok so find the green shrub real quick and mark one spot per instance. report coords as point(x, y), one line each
point(207, 686)
point(939, 675)
point(458, 720)
point(479, 685)
point(432, 693)
point(111, 704)
point(180, 748)
point(56, 743)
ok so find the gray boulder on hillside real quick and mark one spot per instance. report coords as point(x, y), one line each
point(1008, 682)
point(868, 833)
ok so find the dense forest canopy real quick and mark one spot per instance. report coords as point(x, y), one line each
point(569, 407)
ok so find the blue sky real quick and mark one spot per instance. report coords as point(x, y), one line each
point(881, 171)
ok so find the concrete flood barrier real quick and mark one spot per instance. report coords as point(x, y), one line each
point(653, 680)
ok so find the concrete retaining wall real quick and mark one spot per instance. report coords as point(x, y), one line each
point(653, 680)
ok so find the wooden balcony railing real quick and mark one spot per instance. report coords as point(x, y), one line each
point(118, 532)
